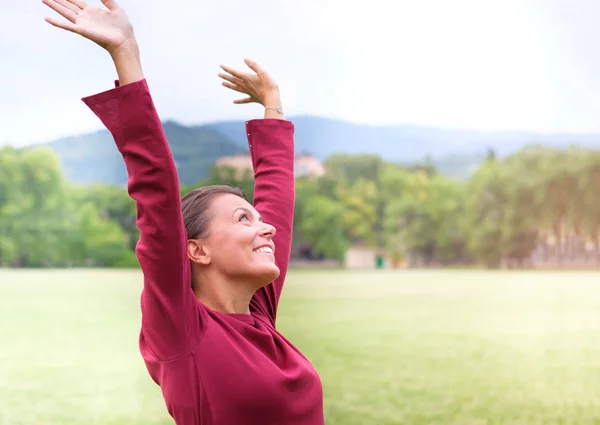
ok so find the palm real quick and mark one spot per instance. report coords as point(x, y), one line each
point(104, 28)
point(108, 28)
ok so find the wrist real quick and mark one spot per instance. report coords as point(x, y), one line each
point(127, 62)
point(274, 111)
point(128, 50)
point(272, 99)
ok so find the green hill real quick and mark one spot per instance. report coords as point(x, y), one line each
point(93, 158)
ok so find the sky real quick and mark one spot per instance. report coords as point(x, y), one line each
point(472, 64)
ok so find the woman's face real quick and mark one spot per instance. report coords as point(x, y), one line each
point(240, 245)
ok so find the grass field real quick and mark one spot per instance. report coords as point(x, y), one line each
point(448, 347)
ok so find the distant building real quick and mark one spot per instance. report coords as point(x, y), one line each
point(304, 166)
point(241, 164)
point(360, 256)
point(308, 166)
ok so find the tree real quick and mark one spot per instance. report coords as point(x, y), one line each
point(99, 241)
point(423, 222)
point(320, 226)
point(110, 202)
point(32, 213)
point(484, 214)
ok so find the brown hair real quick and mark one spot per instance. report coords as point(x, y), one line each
point(195, 207)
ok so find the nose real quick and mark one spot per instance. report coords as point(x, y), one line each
point(267, 230)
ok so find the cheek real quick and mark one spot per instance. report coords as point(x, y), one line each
point(236, 243)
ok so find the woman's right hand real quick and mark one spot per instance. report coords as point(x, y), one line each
point(110, 29)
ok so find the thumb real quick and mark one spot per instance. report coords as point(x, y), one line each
point(110, 4)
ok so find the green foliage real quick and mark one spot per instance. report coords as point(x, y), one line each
point(536, 200)
point(46, 223)
point(111, 202)
point(321, 227)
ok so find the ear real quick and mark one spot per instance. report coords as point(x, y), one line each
point(197, 252)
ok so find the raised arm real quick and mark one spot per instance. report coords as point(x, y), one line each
point(271, 143)
point(169, 320)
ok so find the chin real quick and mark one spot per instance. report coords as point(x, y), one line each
point(267, 273)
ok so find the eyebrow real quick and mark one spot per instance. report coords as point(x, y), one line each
point(247, 211)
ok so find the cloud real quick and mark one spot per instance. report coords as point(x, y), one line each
point(466, 63)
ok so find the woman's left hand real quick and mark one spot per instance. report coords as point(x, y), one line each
point(259, 86)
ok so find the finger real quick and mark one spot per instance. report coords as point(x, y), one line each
point(63, 25)
point(61, 10)
point(233, 72)
point(231, 79)
point(242, 101)
point(110, 4)
point(234, 87)
point(69, 5)
point(253, 66)
point(79, 3)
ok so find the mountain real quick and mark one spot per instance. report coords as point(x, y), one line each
point(93, 157)
point(323, 136)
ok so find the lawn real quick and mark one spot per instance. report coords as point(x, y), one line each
point(437, 347)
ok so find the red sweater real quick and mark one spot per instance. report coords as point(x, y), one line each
point(212, 368)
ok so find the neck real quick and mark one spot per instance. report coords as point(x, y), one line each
point(222, 294)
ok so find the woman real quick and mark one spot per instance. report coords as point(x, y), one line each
point(213, 264)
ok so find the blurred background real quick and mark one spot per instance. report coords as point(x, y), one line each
point(447, 233)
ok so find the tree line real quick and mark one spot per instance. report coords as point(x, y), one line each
point(537, 206)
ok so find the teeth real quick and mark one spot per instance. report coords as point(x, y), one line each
point(264, 249)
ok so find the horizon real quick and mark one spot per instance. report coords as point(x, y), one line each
point(100, 129)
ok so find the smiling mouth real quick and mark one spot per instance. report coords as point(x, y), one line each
point(264, 250)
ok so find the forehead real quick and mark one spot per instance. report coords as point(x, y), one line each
point(227, 203)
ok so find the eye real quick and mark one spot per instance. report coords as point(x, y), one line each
point(244, 217)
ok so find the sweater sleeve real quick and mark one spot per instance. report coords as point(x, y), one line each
point(169, 315)
point(271, 143)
